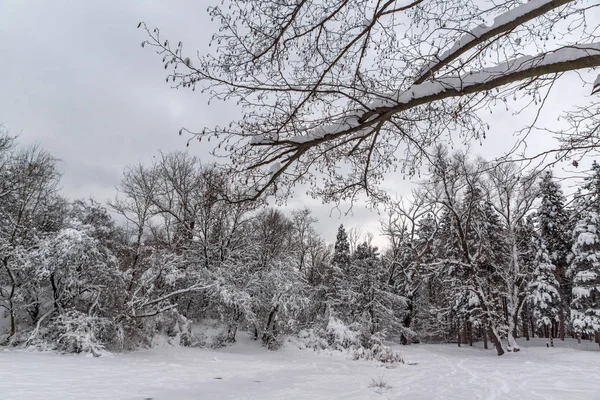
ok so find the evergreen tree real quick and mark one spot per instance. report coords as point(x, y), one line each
point(545, 299)
point(375, 303)
point(340, 264)
point(555, 242)
point(585, 268)
point(341, 255)
point(585, 272)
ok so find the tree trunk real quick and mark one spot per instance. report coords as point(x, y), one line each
point(407, 320)
point(267, 335)
point(13, 328)
point(232, 328)
point(55, 293)
point(561, 317)
point(512, 342)
point(13, 285)
point(470, 333)
point(496, 340)
point(485, 338)
point(34, 311)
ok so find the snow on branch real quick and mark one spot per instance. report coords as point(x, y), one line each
point(596, 87)
point(360, 84)
point(564, 59)
point(355, 126)
point(152, 302)
point(502, 23)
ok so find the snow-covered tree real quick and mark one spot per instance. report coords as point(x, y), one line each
point(340, 264)
point(29, 209)
point(303, 236)
point(585, 272)
point(555, 235)
point(341, 254)
point(584, 269)
point(77, 281)
point(472, 245)
point(512, 195)
point(544, 289)
point(410, 229)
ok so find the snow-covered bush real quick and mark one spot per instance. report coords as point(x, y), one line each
point(336, 335)
point(359, 344)
point(206, 334)
point(378, 352)
point(72, 332)
point(340, 336)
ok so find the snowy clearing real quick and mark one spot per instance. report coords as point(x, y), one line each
point(247, 371)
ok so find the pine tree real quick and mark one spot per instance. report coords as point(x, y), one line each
point(585, 267)
point(375, 303)
point(341, 255)
point(555, 240)
point(585, 272)
point(544, 288)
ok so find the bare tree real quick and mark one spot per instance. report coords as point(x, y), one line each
point(355, 235)
point(512, 195)
point(335, 94)
point(410, 248)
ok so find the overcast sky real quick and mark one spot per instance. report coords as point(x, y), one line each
point(74, 78)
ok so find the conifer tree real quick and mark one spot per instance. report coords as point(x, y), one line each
point(585, 272)
point(584, 269)
point(341, 256)
point(555, 239)
point(544, 295)
point(340, 264)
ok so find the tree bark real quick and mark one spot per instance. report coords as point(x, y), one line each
point(470, 333)
point(11, 306)
point(512, 328)
point(485, 338)
point(268, 336)
point(561, 317)
point(496, 340)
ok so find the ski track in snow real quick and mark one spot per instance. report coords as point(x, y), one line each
point(247, 371)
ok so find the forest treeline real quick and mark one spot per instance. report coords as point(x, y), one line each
point(478, 252)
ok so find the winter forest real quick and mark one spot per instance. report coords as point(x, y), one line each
point(478, 253)
point(197, 270)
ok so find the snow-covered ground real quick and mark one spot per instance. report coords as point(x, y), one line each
point(247, 371)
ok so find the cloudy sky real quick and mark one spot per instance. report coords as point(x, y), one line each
point(74, 78)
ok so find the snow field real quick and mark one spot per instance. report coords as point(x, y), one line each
point(247, 371)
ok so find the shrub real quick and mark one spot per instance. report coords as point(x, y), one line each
point(72, 332)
